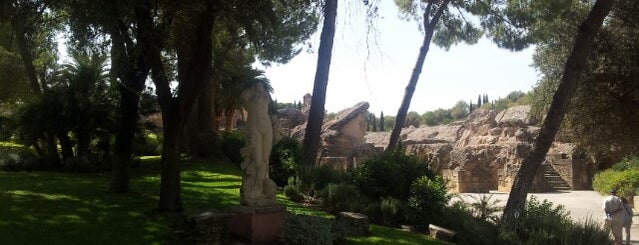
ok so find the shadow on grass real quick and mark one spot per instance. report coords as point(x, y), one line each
point(56, 208)
point(61, 208)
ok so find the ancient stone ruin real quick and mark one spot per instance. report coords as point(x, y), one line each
point(484, 152)
point(480, 154)
point(342, 142)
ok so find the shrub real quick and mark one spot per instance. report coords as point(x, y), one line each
point(484, 207)
point(17, 158)
point(6, 128)
point(285, 155)
point(623, 176)
point(292, 190)
point(470, 229)
point(540, 223)
point(304, 229)
point(342, 197)
point(231, 144)
point(320, 177)
point(586, 233)
point(427, 200)
point(147, 145)
point(392, 211)
point(390, 175)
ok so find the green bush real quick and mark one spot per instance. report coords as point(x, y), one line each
point(231, 144)
point(6, 128)
point(470, 229)
point(320, 177)
point(18, 158)
point(587, 233)
point(292, 190)
point(342, 197)
point(304, 229)
point(623, 176)
point(147, 145)
point(390, 175)
point(393, 211)
point(427, 200)
point(541, 223)
point(285, 155)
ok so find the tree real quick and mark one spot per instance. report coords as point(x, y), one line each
point(479, 101)
point(412, 119)
point(190, 25)
point(32, 27)
point(381, 121)
point(460, 110)
point(374, 121)
point(573, 69)
point(599, 109)
point(316, 111)
point(453, 29)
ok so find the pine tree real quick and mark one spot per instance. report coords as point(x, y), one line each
point(470, 108)
point(374, 122)
point(479, 101)
point(381, 122)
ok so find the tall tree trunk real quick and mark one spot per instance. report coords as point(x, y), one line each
point(170, 192)
point(194, 50)
point(316, 112)
point(131, 68)
point(429, 27)
point(27, 60)
point(53, 158)
point(228, 114)
point(129, 106)
point(575, 64)
point(66, 146)
point(205, 111)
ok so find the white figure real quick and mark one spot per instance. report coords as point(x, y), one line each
point(613, 208)
point(257, 188)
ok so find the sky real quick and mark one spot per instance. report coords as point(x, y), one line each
point(379, 74)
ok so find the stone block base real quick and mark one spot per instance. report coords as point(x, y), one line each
point(257, 224)
point(211, 227)
point(441, 233)
point(355, 224)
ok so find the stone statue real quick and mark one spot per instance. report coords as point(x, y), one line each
point(257, 188)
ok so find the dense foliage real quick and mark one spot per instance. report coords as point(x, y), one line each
point(599, 111)
point(305, 229)
point(390, 175)
point(284, 159)
point(623, 176)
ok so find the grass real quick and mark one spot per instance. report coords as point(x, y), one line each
point(388, 236)
point(65, 208)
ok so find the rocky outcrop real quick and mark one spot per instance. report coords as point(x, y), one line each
point(343, 136)
point(290, 117)
point(478, 154)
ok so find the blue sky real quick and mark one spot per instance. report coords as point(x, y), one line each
point(379, 74)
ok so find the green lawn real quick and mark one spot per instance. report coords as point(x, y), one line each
point(62, 208)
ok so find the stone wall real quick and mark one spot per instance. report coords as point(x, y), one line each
point(484, 152)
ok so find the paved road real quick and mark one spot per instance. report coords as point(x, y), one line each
point(581, 205)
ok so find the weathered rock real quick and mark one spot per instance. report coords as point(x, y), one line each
point(517, 116)
point(343, 136)
point(290, 117)
point(483, 152)
point(354, 224)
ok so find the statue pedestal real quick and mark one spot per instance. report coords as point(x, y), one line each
point(257, 224)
